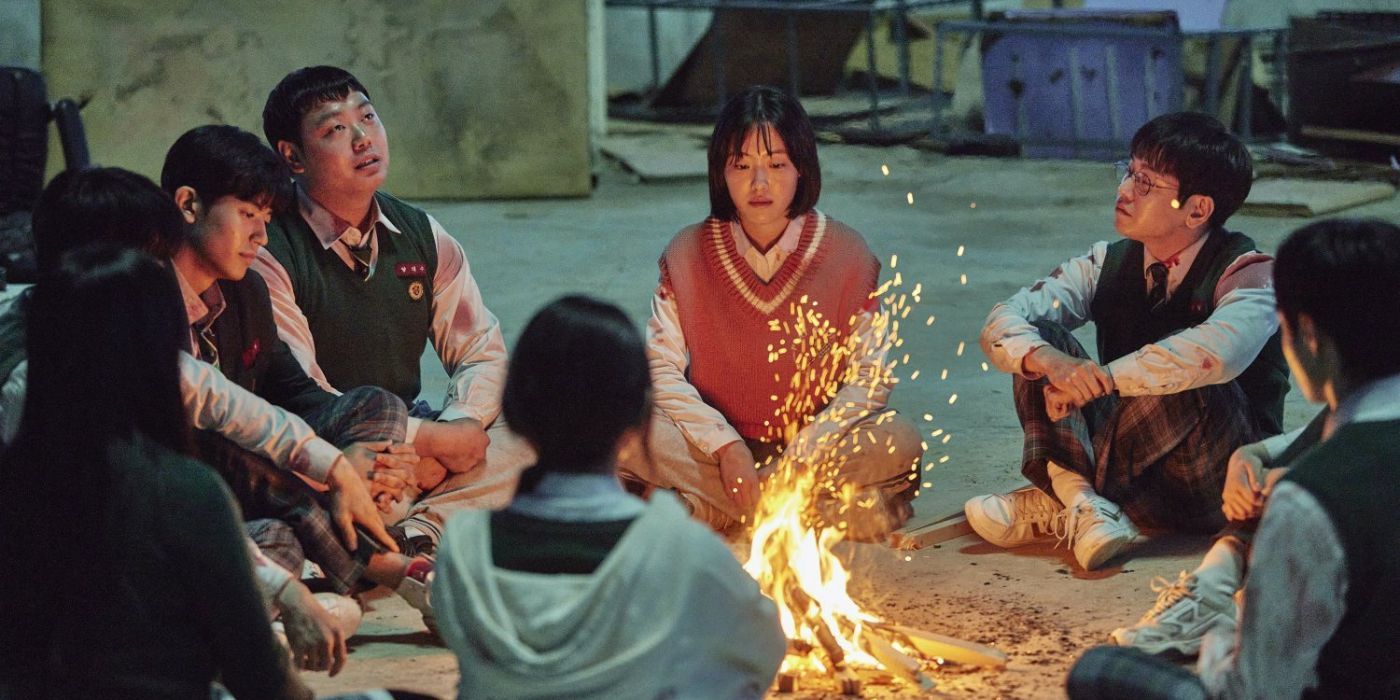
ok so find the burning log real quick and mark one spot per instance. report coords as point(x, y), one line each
point(847, 683)
point(900, 664)
point(807, 609)
point(787, 682)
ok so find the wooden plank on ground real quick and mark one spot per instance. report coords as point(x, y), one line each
point(926, 532)
point(948, 648)
point(1298, 197)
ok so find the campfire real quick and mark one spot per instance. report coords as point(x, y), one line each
point(803, 514)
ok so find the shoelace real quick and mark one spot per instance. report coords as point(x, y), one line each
point(1169, 593)
point(1036, 512)
point(1067, 522)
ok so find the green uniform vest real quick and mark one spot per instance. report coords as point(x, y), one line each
point(1123, 320)
point(367, 332)
point(1355, 476)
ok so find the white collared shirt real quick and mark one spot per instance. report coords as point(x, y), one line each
point(1177, 265)
point(466, 336)
point(765, 265)
point(1214, 352)
point(578, 498)
point(202, 309)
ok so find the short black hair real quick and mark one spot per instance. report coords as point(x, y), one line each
point(104, 205)
point(766, 109)
point(578, 380)
point(218, 160)
point(298, 93)
point(1203, 156)
point(1345, 275)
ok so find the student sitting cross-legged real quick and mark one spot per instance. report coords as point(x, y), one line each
point(362, 282)
point(1318, 617)
point(1188, 368)
point(767, 259)
point(227, 184)
point(579, 589)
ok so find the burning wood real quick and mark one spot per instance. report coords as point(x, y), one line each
point(791, 554)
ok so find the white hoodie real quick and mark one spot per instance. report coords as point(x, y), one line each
point(668, 614)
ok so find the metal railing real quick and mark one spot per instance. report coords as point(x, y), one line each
point(897, 9)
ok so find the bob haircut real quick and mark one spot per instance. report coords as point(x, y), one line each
point(578, 380)
point(220, 161)
point(766, 109)
point(299, 93)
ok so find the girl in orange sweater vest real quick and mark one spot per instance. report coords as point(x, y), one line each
point(735, 384)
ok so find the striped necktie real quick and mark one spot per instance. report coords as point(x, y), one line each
point(1157, 295)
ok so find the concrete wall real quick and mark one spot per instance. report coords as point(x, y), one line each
point(19, 33)
point(487, 98)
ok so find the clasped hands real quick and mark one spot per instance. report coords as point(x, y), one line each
point(374, 475)
point(1072, 381)
point(1248, 483)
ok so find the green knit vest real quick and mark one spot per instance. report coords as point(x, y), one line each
point(367, 332)
point(1355, 476)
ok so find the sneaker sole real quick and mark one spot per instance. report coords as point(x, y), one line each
point(1185, 648)
point(1111, 548)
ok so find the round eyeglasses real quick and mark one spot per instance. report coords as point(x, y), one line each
point(1142, 182)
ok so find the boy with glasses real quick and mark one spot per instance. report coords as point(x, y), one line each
point(1189, 368)
point(1318, 618)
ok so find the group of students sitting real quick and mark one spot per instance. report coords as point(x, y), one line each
point(586, 477)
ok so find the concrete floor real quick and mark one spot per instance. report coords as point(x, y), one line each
point(1017, 219)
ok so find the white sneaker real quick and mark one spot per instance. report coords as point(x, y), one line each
point(418, 592)
point(344, 609)
point(1185, 610)
point(1013, 519)
point(1096, 528)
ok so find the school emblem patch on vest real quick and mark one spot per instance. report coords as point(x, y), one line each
point(409, 270)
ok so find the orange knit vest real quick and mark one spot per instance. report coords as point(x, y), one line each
point(744, 335)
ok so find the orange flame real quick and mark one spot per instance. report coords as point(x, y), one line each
point(803, 512)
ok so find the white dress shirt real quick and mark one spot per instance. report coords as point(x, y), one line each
point(1214, 352)
point(215, 403)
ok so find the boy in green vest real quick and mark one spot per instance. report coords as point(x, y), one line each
point(226, 184)
point(1189, 361)
point(360, 282)
point(1318, 618)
